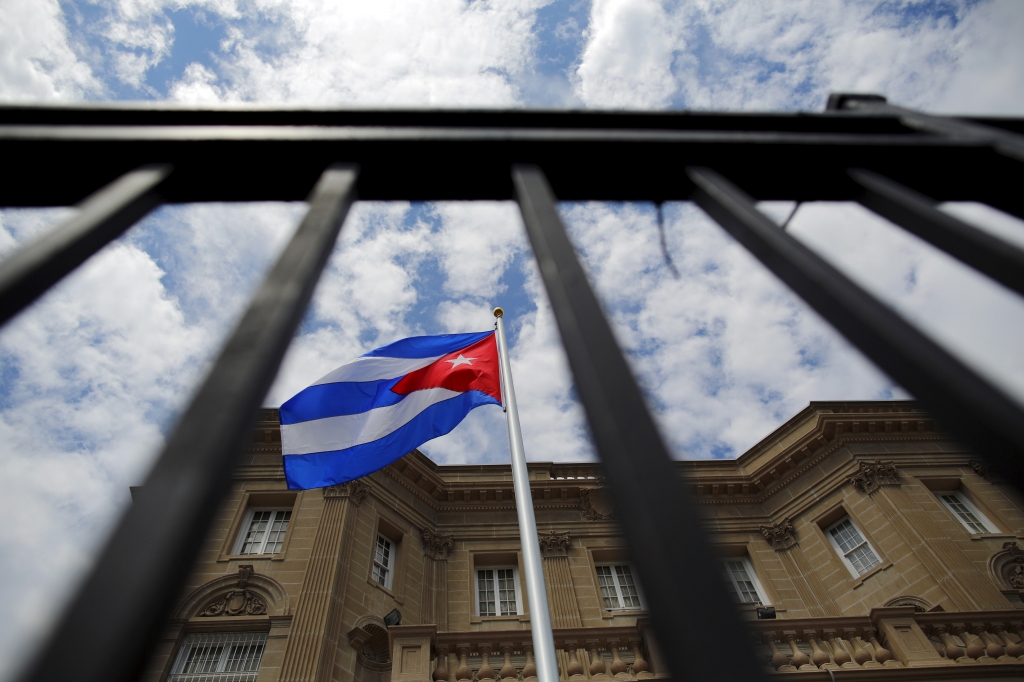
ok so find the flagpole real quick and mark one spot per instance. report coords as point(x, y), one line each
point(540, 617)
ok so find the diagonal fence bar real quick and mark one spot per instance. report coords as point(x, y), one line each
point(972, 408)
point(917, 214)
point(677, 566)
point(107, 632)
point(101, 217)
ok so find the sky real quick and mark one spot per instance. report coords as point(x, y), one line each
point(94, 375)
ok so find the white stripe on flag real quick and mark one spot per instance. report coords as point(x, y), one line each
point(346, 431)
point(375, 368)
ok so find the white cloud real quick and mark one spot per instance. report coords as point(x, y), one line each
point(93, 374)
point(439, 52)
point(969, 314)
point(726, 352)
point(726, 54)
point(37, 60)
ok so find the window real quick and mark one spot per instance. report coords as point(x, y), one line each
point(263, 531)
point(742, 581)
point(972, 519)
point(618, 589)
point(219, 657)
point(851, 545)
point(497, 591)
point(383, 561)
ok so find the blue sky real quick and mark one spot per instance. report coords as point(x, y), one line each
point(93, 375)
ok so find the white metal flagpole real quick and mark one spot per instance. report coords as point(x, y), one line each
point(540, 617)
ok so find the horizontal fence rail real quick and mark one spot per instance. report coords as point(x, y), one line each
point(897, 162)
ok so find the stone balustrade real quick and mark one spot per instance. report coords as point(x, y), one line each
point(889, 640)
point(598, 654)
point(897, 637)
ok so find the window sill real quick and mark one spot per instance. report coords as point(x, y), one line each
point(859, 580)
point(612, 613)
point(752, 608)
point(476, 620)
point(993, 536)
point(385, 590)
point(251, 557)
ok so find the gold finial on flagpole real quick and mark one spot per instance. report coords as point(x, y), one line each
point(498, 312)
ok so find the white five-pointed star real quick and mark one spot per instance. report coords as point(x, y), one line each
point(461, 360)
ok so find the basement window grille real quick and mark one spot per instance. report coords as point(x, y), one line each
point(219, 657)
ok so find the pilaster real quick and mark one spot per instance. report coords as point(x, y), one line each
point(817, 600)
point(565, 611)
point(309, 656)
point(965, 586)
point(436, 548)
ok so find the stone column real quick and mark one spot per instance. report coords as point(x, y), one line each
point(782, 538)
point(967, 587)
point(565, 611)
point(309, 656)
point(435, 577)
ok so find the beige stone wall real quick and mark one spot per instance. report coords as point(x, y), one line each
point(325, 614)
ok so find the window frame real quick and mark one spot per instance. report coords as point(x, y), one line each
point(618, 590)
point(389, 567)
point(246, 525)
point(843, 555)
point(497, 600)
point(226, 638)
point(752, 574)
point(984, 521)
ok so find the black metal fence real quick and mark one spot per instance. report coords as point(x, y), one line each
point(127, 160)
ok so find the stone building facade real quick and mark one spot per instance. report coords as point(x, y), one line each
point(882, 545)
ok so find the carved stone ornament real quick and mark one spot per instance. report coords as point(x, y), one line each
point(873, 475)
point(780, 535)
point(555, 544)
point(979, 468)
point(595, 505)
point(238, 602)
point(354, 490)
point(1013, 568)
point(437, 546)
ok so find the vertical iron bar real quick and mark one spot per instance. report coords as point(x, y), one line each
point(679, 571)
point(101, 217)
point(106, 633)
point(917, 214)
point(973, 409)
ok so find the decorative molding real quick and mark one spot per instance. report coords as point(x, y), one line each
point(266, 588)
point(555, 544)
point(780, 535)
point(980, 468)
point(1008, 565)
point(919, 605)
point(237, 602)
point(595, 505)
point(354, 490)
point(437, 546)
point(873, 475)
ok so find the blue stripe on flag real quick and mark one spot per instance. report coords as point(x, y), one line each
point(427, 346)
point(334, 400)
point(322, 469)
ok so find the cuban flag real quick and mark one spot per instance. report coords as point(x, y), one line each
point(368, 413)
